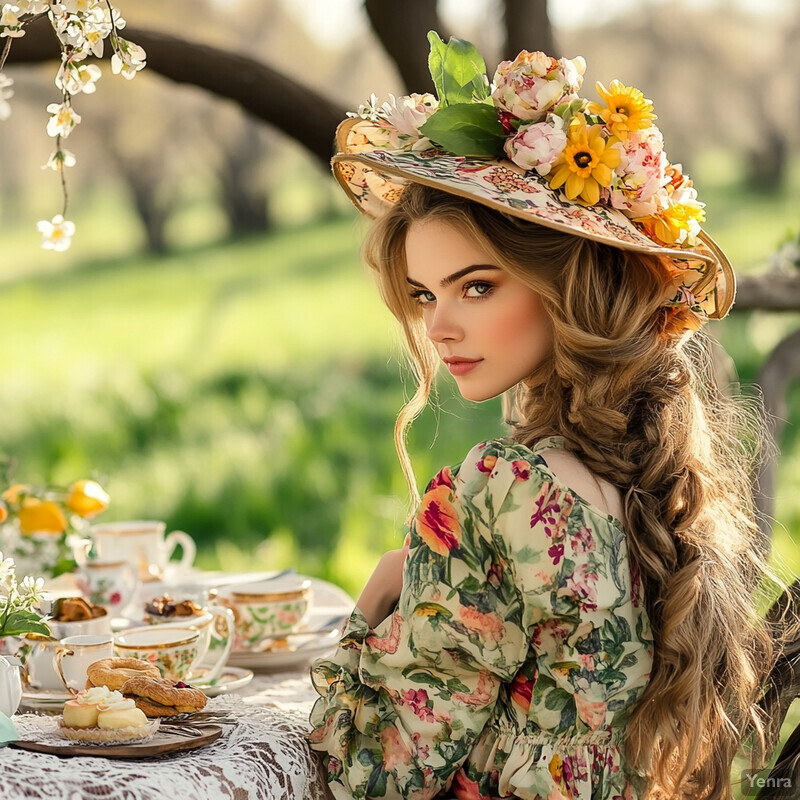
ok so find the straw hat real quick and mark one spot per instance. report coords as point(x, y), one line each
point(529, 146)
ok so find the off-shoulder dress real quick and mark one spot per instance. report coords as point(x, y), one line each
point(518, 647)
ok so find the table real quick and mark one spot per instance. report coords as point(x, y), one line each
point(263, 757)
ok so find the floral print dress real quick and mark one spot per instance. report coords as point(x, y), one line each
point(518, 646)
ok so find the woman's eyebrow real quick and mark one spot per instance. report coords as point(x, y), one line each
point(451, 279)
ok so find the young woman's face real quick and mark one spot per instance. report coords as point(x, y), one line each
point(490, 328)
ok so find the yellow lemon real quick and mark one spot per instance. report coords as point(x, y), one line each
point(87, 498)
point(41, 516)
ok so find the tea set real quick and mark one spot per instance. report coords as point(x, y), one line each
point(261, 623)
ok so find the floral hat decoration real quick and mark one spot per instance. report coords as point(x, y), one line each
point(529, 146)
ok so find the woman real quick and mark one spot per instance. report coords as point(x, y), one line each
point(573, 613)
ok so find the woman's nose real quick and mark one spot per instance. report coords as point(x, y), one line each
point(443, 326)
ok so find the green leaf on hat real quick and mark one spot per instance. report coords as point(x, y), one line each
point(436, 64)
point(458, 71)
point(466, 129)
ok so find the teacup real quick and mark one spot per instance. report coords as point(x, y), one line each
point(174, 650)
point(77, 654)
point(268, 608)
point(143, 543)
point(37, 655)
point(108, 583)
point(43, 666)
point(216, 622)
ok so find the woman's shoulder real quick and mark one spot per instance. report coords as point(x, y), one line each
point(494, 465)
point(504, 470)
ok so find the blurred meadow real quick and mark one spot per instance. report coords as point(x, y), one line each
point(210, 347)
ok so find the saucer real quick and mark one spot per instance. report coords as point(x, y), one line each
point(232, 678)
point(302, 650)
point(42, 700)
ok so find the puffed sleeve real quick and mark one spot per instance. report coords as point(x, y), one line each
point(400, 706)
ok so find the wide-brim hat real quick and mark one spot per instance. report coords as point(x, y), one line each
point(374, 180)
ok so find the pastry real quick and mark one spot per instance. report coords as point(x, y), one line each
point(158, 697)
point(98, 715)
point(165, 607)
point(119, 712)
point(81, 711)
point(113, 672)
point(76, 609)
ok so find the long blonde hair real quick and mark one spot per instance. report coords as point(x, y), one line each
point(635, 401)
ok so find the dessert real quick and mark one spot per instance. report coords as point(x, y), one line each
point(76, 609)
point(164, 608)
point(119, 712)
point(100, 715)
point(158, 697)
point(114, 672)
point(81, 711)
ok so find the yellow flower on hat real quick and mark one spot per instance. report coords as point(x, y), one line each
point(626, 109)
point(41, 516)
point(675, 224)
point(587, 163)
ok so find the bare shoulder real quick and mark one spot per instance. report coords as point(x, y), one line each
point(571, 471)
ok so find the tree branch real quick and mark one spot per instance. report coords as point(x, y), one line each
point(301, 113)
point(768, 293)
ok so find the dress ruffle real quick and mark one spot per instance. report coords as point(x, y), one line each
point(535, 765)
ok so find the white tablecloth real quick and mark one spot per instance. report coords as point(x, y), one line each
point(264, 756)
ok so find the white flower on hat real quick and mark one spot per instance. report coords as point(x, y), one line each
point(534, 83)
point(537, 146)
point(406, 114)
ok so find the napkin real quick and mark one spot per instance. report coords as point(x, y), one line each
point(8, 732)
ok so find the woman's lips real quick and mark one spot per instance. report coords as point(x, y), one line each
point(461, 366)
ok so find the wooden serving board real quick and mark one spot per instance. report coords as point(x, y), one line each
point(161, 744)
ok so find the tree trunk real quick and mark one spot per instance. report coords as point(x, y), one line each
point(402, 29)
point(768, 163)
point(244, 196)
point(528, 27)
point(780, 369)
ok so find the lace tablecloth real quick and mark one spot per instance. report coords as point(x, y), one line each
point(263, 757)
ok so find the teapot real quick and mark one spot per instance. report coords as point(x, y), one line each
point(10, 685)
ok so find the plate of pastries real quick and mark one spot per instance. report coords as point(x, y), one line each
point(120, 713)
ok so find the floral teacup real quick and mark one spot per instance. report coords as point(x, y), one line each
point(108, 583)
point(209, 624)
point(172, 649)
point(268, 609)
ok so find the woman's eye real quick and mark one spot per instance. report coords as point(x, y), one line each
point(423, 297)
point(477, 289)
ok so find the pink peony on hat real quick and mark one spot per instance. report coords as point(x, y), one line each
point(529, 146)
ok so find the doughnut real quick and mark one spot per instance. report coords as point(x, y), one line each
point(113, 672)
point(158, 697)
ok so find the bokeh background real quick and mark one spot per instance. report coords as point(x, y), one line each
point(210, 347)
